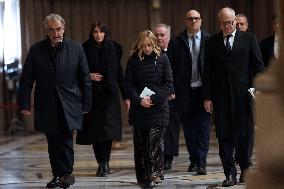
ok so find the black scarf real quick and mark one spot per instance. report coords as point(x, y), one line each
point(98, 56)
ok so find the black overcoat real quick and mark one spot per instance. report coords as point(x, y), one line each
point(267, 50)
point(181, 64)
point(227, 78)
point(69, 80)
point(104, 122)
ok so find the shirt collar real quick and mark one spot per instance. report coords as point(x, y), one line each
point(233, 34)
point(197, 35)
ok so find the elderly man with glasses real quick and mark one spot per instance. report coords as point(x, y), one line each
point(232, 59)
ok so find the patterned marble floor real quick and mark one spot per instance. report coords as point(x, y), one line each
point(24, 164)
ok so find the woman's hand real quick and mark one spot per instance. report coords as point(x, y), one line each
point(96, 76)
point(171, 97)
point(146, 102)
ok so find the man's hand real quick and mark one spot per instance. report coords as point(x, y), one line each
point(208, 105)
point(127, 104)
point(96, 76)
point(26, 112)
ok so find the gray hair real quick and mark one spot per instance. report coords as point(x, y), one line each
point(228, 10)
point(165, 26)
point(53, 16)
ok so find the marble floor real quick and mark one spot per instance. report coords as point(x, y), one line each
point(24, 164)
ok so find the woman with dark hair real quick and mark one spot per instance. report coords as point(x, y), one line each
point(149, 84)
point(103, 124)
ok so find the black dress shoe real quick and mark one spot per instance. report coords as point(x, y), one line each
point(201, 171)
point(168, 164)
point(62, 182)
point(66, 181)
point(103, 169)
point(147, 185)
point(53, 183)
point(230, 181)
point(192, 167)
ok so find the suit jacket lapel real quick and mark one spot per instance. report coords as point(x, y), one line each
point(237, 42)
point(221, 46)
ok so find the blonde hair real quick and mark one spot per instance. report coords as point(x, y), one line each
point(137, 46)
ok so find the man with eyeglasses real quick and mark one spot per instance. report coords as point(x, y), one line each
point(58, 68)
point(187, 60)
point(232, 59)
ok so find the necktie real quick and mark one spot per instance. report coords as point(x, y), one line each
point(228, 45)
point(194, 55)
point(163, 51)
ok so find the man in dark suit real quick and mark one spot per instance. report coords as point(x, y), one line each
point(242, 24)
point(59, 69)
point(163, 33)
point(187, 59)
point(269, 47)
point(232, 58)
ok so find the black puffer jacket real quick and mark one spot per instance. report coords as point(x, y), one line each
point(155, 73)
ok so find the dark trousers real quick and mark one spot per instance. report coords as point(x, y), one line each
point(227, 147)
point(196, 127)
point(61, 153)
point(172, 133)
point(250, 146)
point(102, 151)
point(148, 152)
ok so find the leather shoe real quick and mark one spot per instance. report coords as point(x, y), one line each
point(103, 169)
point(192, 167)
point(147, 185)
point(201, 171)
point(168, 164)
point(62, 182)
point(230, 181)
point(67, 180)
point(53, 183)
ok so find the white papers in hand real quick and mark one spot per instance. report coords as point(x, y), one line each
point(146, 92)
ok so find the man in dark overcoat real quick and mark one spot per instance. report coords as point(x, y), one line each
point(232, 59)
point(187, 60)
point(58, 68)
point(171, 149)
point(269, 47)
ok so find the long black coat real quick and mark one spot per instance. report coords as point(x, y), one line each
point(154, 73)
point(70, 81)
point(267, 50)
point(227, 79)
point(180, 58)
point(104, 122)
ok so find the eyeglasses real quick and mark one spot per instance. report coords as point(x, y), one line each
point(55, 30)
point(228, 23)
point(193, 18)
